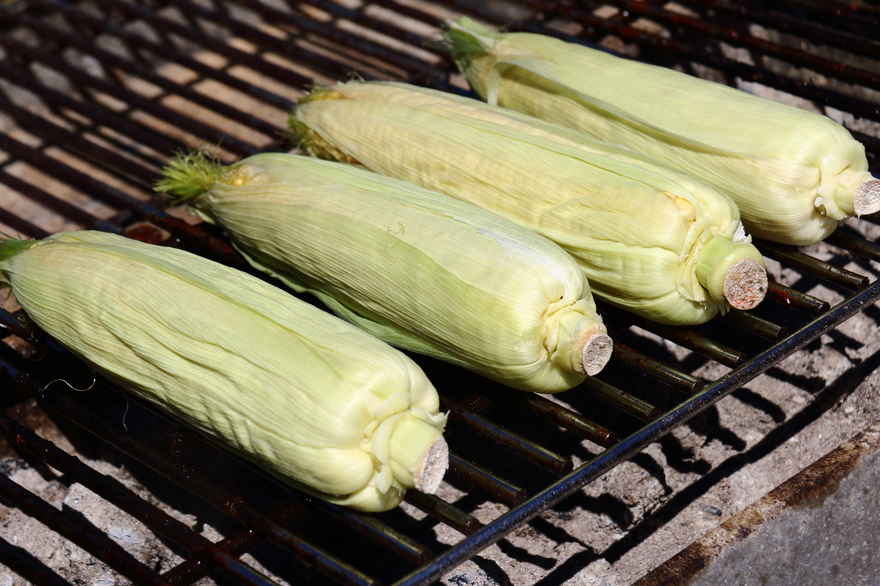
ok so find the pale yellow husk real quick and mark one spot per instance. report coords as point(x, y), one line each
point(636, 229)
point(794, 174)
point(418, 269)
point(309, 397)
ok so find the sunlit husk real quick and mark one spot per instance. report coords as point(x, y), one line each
point(635, 228)
point(793, 173)
point(418, 269)
point(305, 395)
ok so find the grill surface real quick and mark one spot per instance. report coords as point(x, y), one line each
point(97, 95)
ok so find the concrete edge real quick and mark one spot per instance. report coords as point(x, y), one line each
point(808, 488)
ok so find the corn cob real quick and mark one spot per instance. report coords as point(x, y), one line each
point(649, 239)
point(794, 174)
point(416, 268)
point(312, 399)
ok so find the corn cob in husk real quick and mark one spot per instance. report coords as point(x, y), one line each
point(649, 239)
point(794, 174)
point(308, 397)
point(416, 268)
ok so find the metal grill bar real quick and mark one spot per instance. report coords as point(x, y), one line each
point(114, 492)
point(787, 296)
point(609, 394)
point(28, 567)
point(541, 458)
point(756, 11)
point(637, 362)
point(639, 440)
point(452, 516)
point(170, 54)
point(465, 473)
point(80, 531)
point(110, 60)
point(215, 494)
point(751, 324)
point(855, 245)
point(822, 270)
point(844, 16)
point(88, 81)
point(738, 36)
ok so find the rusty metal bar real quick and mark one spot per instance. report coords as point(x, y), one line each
point(113, 491)
point(535, 454)
point(71, 525)
point(204, 130)
point(620, 399)
point(855, 245)
point(219, 496)
point(748, 323)
point(28, 567)
point(790, 256)
point(642, 364)
point(783, 295)
point(816, 32)
point(466, 474)
point(570, 420)
point(171, 87)
point(790, 54)
point(440, 509)
point(685, 336)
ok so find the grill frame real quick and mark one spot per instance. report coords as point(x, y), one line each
point(693, 397)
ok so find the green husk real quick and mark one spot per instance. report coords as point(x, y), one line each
point(308, 397)
point(794, 174)
point(416, 268)
point(636, 228)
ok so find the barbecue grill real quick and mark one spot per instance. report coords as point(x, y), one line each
point(95, 95)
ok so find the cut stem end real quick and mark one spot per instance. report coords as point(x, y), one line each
point(745, 284)
point(420, 454)
point(867, 198)
point(433, 467)
point(596, 353)
point(733, 272)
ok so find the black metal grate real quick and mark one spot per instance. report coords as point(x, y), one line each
point(97, 94)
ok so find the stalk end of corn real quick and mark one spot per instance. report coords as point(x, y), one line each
point(745, 284)
point(191, 174)
point(419, 454)
point(433, 467)
point(867, 198)
point(596, 353)
point(733, 272)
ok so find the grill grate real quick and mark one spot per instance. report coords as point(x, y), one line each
point(95, 95)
